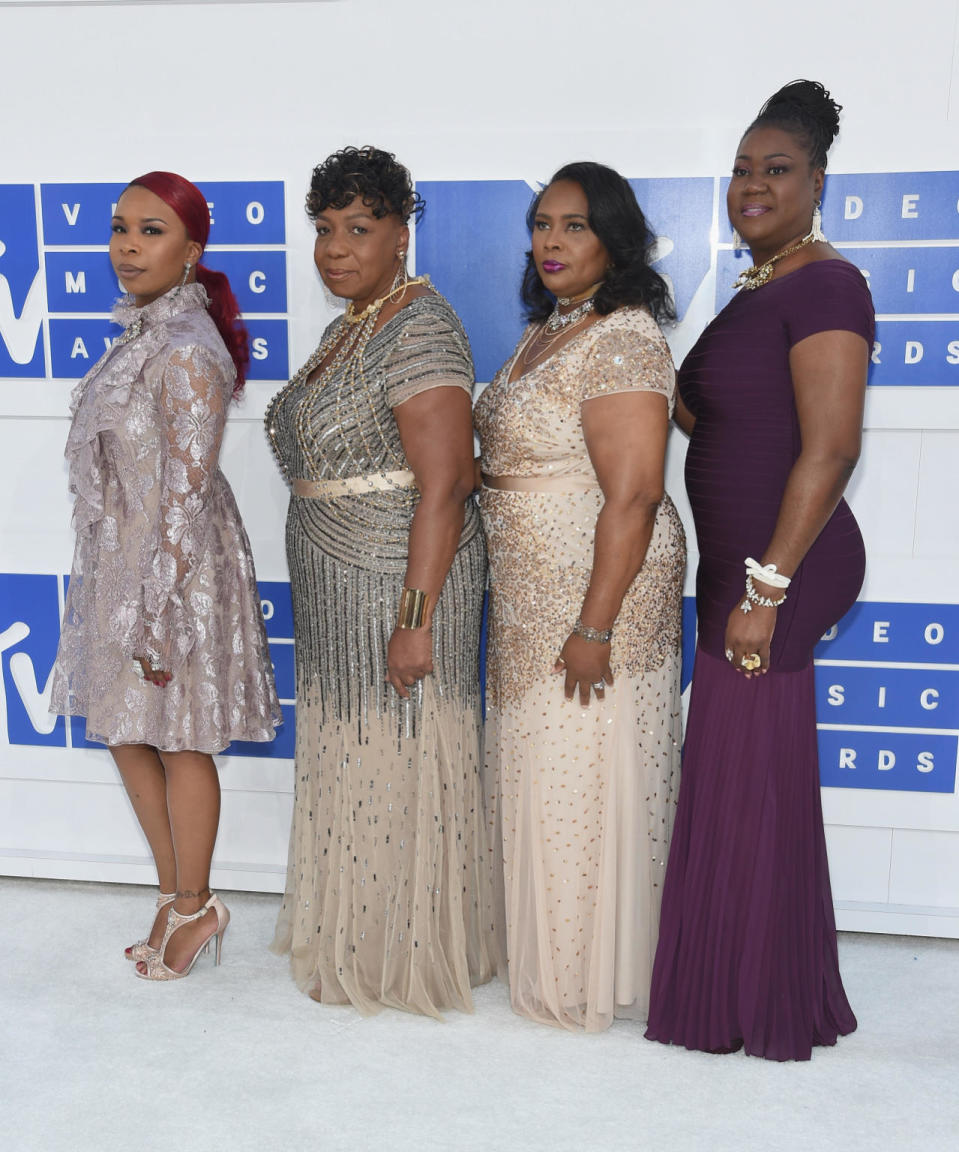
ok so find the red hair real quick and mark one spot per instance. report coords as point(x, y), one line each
point(189, 203)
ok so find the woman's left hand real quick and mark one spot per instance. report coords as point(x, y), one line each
point(409, 657)
point(750, 634)
point(586, 665)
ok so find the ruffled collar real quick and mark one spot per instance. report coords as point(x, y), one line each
point(179, 299)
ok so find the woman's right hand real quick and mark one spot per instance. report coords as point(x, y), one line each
point(157, 676)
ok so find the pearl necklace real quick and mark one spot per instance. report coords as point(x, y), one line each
point(758, 275)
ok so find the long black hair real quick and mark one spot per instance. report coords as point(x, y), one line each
point(617, 219)
point(806, 110)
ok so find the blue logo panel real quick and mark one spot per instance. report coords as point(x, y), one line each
point(888, 760)
point(258, 279)
point(908, 280)
point(245, 212)
point(80, 282)
point(78, 213)
point(920, 352)
point(895, 633)
point(277, 608)
point(269, 350)
point(76, 345)
point(241, 212)
point(891, 206)
point(680, 214)
point(890, 697)
point(473, 241)
point(29, 634)
point(21, 298)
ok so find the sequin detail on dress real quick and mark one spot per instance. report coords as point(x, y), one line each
point(583, 799)
point(389, 891)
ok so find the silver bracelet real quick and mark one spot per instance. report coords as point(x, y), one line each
point(596, 635)
point(753, 597)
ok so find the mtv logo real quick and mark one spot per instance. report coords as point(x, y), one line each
point(29, 633)
point(21, 295)
point(473, 241)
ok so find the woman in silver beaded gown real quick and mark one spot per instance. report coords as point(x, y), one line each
point(389, 889)
point(586, 570)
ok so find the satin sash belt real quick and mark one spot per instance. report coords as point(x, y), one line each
point(353, 485)
point(541, 483)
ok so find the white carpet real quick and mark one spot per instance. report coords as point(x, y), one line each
point(94, 1060)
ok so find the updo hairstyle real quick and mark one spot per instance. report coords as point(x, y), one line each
point(376, 177)
point(189, 203)
point(617, 219)
point(806, 110)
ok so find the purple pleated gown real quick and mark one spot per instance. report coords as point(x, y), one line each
point(747, 949)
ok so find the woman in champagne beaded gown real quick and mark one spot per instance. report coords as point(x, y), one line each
point(389, 887)
point(586, 562)
point(772, 398)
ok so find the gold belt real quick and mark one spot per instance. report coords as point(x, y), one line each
point(541, 483)
point(353, 485)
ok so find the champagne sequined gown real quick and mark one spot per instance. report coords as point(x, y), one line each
point(389, 889)
point(162, 564)
point(583, 798)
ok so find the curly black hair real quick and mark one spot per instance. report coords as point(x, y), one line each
point(617, 219)
point(806, 110)
point(377, 177)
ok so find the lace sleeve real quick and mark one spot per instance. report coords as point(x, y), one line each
point(630, 355)
point(193, 401)
point(432, 352)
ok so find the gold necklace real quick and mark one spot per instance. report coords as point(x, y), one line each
point(351, 317)
point(760, 274)
point(545, 338)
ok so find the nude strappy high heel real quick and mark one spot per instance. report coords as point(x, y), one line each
point(142, 949)
point(155, 967)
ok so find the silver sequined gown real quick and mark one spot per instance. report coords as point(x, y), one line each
point(162, 564)
point(389, 891)
point(583, 798)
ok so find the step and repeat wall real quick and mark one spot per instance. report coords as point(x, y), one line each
point(887, 675)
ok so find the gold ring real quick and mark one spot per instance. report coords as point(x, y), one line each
point(752, 662)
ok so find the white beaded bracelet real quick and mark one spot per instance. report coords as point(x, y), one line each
point(753, 597)
point(767, 574)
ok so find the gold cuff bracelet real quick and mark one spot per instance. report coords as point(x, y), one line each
point(413, 605)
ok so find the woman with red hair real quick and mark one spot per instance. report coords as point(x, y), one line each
point(163, 647)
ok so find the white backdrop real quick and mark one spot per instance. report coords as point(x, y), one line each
point(468, 92)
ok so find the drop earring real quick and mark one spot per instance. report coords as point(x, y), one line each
point(816, 231)
point(737, 241)
point(401, 279)
point(186, 272)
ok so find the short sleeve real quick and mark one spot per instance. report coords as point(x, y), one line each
point(432, 351)
point(630, 354)
point(835, 297)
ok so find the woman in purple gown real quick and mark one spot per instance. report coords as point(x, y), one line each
point(771, 398)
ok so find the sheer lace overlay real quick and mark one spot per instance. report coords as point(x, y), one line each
point(162, 566)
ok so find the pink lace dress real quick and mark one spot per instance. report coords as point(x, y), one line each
point(162, 565)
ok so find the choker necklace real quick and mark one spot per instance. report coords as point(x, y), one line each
point(760, 274)
point(352, 317)
point(557, 321)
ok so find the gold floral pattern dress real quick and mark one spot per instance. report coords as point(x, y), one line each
point(162, 565)
point(583, 799)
